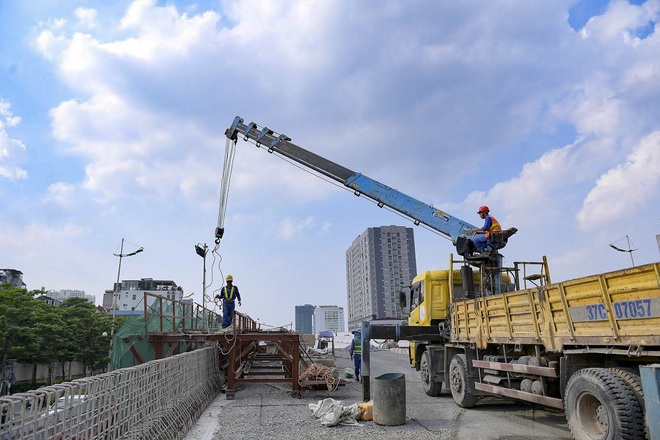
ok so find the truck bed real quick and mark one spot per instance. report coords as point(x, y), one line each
point(619, 309)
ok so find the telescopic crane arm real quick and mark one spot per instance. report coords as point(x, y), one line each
point(383, 195)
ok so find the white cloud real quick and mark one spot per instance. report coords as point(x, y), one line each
point(515, 202)
point(12, 151)
point(625, 188)
point(289, 227)
point(61, 193)
point(51, 42)
point(161, 34)
point(87, 18)
point(620, 22)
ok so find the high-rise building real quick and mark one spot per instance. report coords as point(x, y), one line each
point(379, 263)
point(328, 319)
point(305, 319)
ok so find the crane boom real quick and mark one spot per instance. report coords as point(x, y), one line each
point(383, 195)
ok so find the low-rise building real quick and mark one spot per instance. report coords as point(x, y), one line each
point(64, 294)
point(13, 277)
point(328, 318)
point(49, 300)
point(127, 297)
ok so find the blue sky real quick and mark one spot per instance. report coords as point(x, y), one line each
point(112, 121)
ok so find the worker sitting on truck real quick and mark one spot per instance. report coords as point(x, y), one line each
point(228, 294)
point(356, 352)
point(482, 241)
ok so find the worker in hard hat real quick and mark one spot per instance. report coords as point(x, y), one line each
point(482, 238)
point(228, 294)
point(356, 352)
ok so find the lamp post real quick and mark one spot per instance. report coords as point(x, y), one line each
point(202, 250)
point(630, 249)
point(115, 290)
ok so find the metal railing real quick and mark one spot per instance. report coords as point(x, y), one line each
point(170, 315)
point(159, 399)
point(176, 315)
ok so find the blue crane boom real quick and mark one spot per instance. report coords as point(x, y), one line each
point(383, 195)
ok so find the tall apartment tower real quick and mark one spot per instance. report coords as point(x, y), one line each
point(379, 262)
point(305, 319)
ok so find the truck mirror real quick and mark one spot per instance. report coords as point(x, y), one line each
point(403, 303)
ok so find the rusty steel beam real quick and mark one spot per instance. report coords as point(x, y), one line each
point(246, 350)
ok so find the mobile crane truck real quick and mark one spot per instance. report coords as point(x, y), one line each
point(576, 345)
point(509, 331)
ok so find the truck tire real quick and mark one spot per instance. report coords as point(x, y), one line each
point(632, 378)
point(600, 405)
point(634, 381)
point(431, 387)
point(462, 387)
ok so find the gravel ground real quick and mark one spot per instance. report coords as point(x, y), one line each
point(262, 411)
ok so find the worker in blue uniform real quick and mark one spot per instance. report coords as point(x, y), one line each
point(356, 352)
point(482, 239)
point(229, 295)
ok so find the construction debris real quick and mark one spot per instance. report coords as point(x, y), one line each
point(318, 374)
point(331, 412)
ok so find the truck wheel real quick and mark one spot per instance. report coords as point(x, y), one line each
point(632, 378)
point(431, 387)
point(601, 406)
point(634, 381)
point(462, 387)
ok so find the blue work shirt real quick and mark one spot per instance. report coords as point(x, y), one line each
point(488, 222)
point(225, 293)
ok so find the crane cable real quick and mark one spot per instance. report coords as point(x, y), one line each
point(227, 169)
point(230, 152)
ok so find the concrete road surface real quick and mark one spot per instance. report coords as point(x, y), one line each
point(262, 411)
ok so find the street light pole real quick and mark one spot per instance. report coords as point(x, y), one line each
point(630, 250)
point(202, 250)
point(116, 290)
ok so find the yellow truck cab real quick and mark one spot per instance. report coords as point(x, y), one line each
point(430, 300)
point(430, 297)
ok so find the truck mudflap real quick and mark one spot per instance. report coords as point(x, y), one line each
point(437, 354)
point(651, 384)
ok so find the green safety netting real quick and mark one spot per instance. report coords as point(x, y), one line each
point(131, 345)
